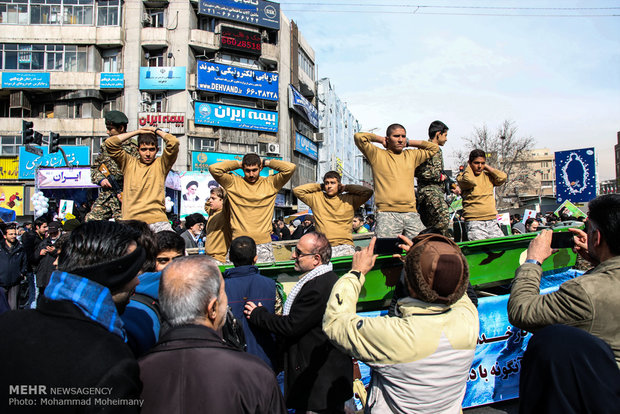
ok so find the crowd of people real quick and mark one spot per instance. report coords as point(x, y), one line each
point(121, 318)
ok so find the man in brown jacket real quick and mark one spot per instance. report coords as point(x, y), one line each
point(591, 301)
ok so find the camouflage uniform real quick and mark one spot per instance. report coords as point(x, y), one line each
point(432, 206)
point(107, 204)
point(480, 230)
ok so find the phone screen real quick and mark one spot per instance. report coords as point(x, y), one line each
point(388, 246)
point(562, 240)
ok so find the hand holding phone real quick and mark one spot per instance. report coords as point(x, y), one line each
point(389, 246)
point(562, 240)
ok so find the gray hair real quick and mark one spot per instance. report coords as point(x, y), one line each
point(184, 299)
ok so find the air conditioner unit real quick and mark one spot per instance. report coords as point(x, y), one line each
point(273, 148)
point(147, 19)
point(146, 97)
point(318, 137)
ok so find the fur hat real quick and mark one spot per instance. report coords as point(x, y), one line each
point(436, 269)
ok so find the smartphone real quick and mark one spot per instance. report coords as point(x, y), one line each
point(562, 240)
point(388, 246)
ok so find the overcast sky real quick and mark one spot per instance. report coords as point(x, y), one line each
point(557, 78)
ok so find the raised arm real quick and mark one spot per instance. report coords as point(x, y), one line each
point(358, 193)
point(466, 179)
point(171, 151)
point(497, 177)
point(114, 146)
point(426, 148)
point(306, 191)
point(220, 172)
point(286, 170)
point(364, 141)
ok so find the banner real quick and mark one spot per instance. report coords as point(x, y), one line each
point(9, 168)
point(235, 117)
point(64, 177)
point(572, 209)
point(162, 77)
point(575, 175)
point(298, 103)
point(111, 80)
point(65, 207)
point(202, 160)
point(306, 146)
point(12, 198)
point(231, 80)
point(174, 121)
point(528, 214)
point(196, 188)
point(257, 12)
point(77, 155)
point(25, 80)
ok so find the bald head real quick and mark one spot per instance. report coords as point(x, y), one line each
point(192, 291)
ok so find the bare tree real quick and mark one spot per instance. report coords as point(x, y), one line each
point(505, 151)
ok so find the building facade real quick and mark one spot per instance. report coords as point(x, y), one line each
point(224, 80)
point(540, 167)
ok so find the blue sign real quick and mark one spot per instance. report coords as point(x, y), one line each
point(202, 160)
point(112, 80)
point(237, 81)
point(575, 175)
point(306, 146)
point(164, 77)
point(235, 117)
point(256, 12)
point(302, 106)
point(28, 163)
point(25, 80)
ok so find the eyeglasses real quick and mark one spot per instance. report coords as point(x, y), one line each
point(299, 253)
point(164, 260)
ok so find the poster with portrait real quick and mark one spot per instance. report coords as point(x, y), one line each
point(12, 198)
point(575, 175)
point(195, 190)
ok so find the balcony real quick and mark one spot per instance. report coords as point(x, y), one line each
point(86, 127)
point(270, 53)
point(154, 37)
point(203, 40)
point(201, 131)
point(68, 34)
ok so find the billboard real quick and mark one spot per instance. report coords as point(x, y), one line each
point(111, 80)
point(76, 154)
point(9, 168)
point(235, 117)
point(174, 121)
point(12, 198)
point(240, 40)
point(256, 12)
point(306, 146)
point(575, 175)
point(196, 188)
point(162, 78)
point(25, 80)
point(231, 80)
point(202, 160)
point(64, 177)
point(298, 103)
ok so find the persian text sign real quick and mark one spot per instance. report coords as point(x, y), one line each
point(111, 80)
point(235, 117)
point(237, 81)
point(28, 163)
point(9, 168)
point(306, 146)
point(165, 77)
point(575, 175)
point(256, 12)
point(298, 103)
point(64, 177)
point(25, 80)
point(174, 121)
point(202, 160)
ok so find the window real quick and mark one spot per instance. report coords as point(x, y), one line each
point(45, 12)
point(108, 12)
point(305, 63)
point(157, 17)
point(206, 23)
point(154, 58)
point(10, 144)
point(110, 60)
point(252, 63)
point(64, 58)
point(153, 102)
point(237, 148)
point(69, 141)
point(74, 110)
point(78, 12)
point(12, 13)
point(202, 144)
point(306, 168)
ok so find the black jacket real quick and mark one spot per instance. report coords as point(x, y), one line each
point(56, 345)
point(30, 240)
point(301, 230)
point(192, 370)
point(44, 263)
point(13, 264)
point(317, 375)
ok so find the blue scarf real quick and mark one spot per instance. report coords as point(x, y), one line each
point(93, 299)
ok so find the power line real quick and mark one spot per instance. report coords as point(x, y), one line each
point(445, 7)
point(417, 12)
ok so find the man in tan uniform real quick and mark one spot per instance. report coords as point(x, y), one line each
point(252, 198)
point(218, 225)
point(393, 171)
point(333, 206)
point(145, 177)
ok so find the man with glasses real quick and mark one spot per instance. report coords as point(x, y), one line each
point(195, 224)
point(317, 376)
point(108, 204)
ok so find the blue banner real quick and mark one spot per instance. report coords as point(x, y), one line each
point(25, 80)
point(237, 81)
point(256, 12)
point(302, 106)
point(28, 163)
point(235, 117)
point(306, 146)
point(112, 80)
point(202, 160)
point(575, 175)
point(164, 77)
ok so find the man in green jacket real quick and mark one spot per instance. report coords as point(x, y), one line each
point(591, 301)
